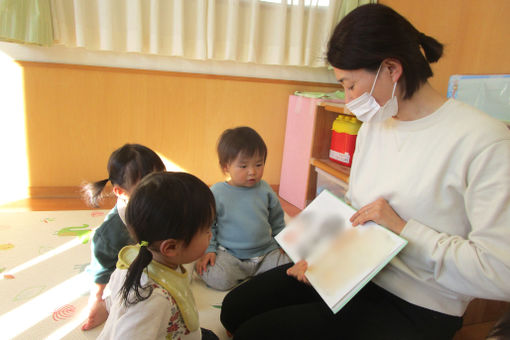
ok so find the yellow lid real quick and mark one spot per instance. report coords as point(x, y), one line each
point(346, 124)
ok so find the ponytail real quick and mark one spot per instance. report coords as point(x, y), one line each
point(92, 193)
point(433, 49)
point(134, 276)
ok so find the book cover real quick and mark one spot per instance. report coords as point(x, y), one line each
point(341, 258)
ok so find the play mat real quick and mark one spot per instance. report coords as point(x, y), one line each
point(43, 284)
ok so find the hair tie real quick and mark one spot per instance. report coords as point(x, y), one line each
point(144, 244)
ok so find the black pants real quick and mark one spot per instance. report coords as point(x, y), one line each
point(207, 334)
point(274, 305)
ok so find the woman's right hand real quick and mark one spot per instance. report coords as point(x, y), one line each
point(201, 264)
point(298, 271)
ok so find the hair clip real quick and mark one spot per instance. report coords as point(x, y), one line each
point(144, 244)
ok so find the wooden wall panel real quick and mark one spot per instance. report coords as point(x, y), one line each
point(475, 34)
point(77, 115)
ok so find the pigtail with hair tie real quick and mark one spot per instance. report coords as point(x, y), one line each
point(132, 282)
point(92, 192)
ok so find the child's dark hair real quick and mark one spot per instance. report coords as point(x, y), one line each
point(164, 205)
point(371, 33)
point(240, 140)
point(126, 166)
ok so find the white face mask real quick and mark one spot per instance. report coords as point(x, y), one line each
point(366, 108)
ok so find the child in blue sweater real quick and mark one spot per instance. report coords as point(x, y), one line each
point(249, 215)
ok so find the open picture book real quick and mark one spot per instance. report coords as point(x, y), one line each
point(341, 258)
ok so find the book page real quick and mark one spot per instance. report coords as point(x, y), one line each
point(359, 250)
point(340, 257)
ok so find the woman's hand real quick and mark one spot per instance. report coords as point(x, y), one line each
point(381, 213)
point(298, 271)
point(201, 264)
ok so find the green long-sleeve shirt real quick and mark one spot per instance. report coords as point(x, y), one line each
point(109, 238)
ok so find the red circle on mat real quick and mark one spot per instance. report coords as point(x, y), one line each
point(63, 312)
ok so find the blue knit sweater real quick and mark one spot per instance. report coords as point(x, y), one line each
point(247, 220)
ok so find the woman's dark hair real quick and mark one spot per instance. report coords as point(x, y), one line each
point(240, 140)
point(164, 205)
point(126, 166)
point(371, 33)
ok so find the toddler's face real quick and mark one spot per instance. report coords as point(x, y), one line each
point(245, 171)
point(196, 248)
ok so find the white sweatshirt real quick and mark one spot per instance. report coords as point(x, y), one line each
point(448, 176)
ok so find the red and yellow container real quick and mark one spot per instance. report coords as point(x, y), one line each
point(343, 139)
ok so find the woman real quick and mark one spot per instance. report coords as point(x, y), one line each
point(435, 171)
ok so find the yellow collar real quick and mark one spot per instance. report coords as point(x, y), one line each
point(176, 283)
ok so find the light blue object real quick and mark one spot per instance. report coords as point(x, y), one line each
point(487, 92)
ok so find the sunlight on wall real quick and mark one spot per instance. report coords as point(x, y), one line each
point(169, 165)
point(14, 180)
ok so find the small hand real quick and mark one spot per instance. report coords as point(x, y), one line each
point(298, 271)
point(381, 213)
point(201, 264)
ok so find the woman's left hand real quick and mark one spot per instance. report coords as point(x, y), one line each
point(380, 212)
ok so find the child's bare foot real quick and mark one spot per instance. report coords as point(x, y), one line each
point(97, 315)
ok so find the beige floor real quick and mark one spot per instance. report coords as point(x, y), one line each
point(483, 314)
